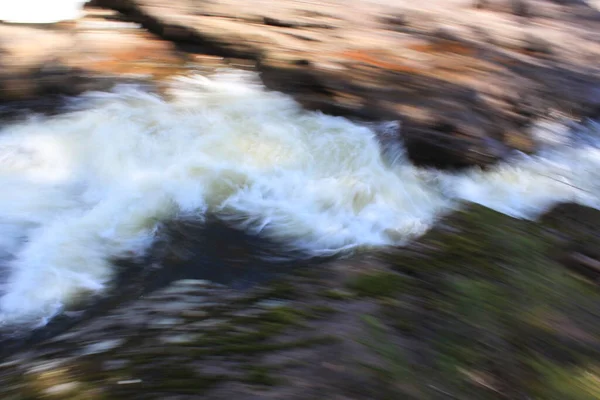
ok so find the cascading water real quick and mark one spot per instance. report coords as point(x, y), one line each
point(90, 185)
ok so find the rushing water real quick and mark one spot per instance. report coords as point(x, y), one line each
point(95, 184)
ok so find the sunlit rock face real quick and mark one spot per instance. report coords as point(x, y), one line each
point(40, 11)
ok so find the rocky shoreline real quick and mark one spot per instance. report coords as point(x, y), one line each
point(484, 306)
point(494, 312)
point(466, 79)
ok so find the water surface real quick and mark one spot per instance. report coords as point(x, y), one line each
point(86, 187)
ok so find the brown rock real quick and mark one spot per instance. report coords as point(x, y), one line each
point(67, 59)
point(465, 77)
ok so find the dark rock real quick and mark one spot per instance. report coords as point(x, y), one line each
point(576, 227)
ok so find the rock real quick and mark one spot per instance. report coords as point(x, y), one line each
point(197, 283)
point(249, 313)
point(67, 59)
point(47, 366)
point(194, 314)
point(517, 7)
point(101, 347)
point(166, 323)
point(466, 78)
point(114, 365)
point(578, 247)
point(207, 324)
point(270, 304)
point(180, 338)
point(173, 307)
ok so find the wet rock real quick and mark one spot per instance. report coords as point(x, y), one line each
point(517, 7)
point(180, 338)
point(194, 314)
point(93, 53)
point(101, 347)
point(270, 304)
point(196, 283)
point(165, 323)
point(578, 245)
point(207, 324)
point(249, 313)
point(466, 78)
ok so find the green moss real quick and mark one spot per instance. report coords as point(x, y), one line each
point(337, 294)
point(185, 386)
point(284, 315)
point(310, 273)
point(321, 311)
point(483, 300)
point(260, 375)
point(266, 331)
point(568, 382)
point(264, 347)
point(279, 289)
point(378, 284)
point(282, 290)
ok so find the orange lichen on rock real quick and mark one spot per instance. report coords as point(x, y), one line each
point(372, 59)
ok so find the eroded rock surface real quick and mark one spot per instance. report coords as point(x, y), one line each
point(465, 77)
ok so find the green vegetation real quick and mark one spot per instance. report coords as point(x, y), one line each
point(260, 375)
point(481, 308)
point(486, 314)
point(240, 332)
point(378, 284)
point(337, 294)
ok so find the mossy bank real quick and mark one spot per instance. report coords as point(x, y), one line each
point(483, 307)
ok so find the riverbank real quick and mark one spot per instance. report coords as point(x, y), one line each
point(488, 313)
point(483, 306)
point(468, 80)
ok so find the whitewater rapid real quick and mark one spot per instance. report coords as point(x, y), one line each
point(94, 184)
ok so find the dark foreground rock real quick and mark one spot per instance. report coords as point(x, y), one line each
point(479, 308)
point(465, 77)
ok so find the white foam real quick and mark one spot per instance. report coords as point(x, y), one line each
point(93, 184)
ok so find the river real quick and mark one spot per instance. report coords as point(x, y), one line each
point(104, 180)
